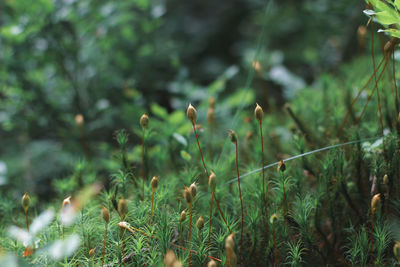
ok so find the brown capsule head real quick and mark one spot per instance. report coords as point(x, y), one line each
point(193, 189)
point(230, 242)
point(154, 183)
point(210, 115)
point(170, 259)
point(187, 195)
point(183, 216)
point(256, 65)
point(122, 208)
point(66, 202)
point(144, 121)
point(258, 113)
point(361, 32)
point(212, 263)
point(233, 136)
point(386, 180)
point(396, 250)
point(273, 218)
point(200, 223)
point(212, 181)
point(375, 202)
point(79, 120)
point(212, 102)
point(281, 166)
point(105, 214)
point(92, 252)
point(26, 200)
point(191, 113)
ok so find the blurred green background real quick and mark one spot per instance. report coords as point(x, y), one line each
point(111, 61)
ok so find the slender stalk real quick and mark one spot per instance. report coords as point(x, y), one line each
point(372, 239)
point(181, 235)
point(222, 215)
point(376, 82)
point(143, 162)
point(201, 153)
point(284, 197)
point(240, 194)
point(104, 246)
point(395, 85)
point(275, 248)
point(205, 169)
point(63, 229)
point(209, 223)
point(190, 233)
point(356, 98)
point(123, 244)
point(27, 220)
point(152, 203)
point(262, 166)
point(370, 96)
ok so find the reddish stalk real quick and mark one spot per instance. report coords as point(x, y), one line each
point(143, 163)
point(395, 85)
point(240, 194)
point(181, 235)
point(209, 223)
point(152, 204)
point(27, 221)
point(123, 244)
point(205, 169)
point(262, 166)
point(275, 248)
point(190, 232)
point(284, 196)
point(104, 246)
point(220, 212)
point(201, 153)
point(356, 98)
point(376, 82)
point(372, 239)
point(370, 96)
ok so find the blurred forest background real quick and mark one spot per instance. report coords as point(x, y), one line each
point(73, 72)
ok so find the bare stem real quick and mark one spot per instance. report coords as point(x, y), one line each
point(284, 197)
point(190, 232)
point(356, 98)
point(275, 248)
point(205, 169)
point(376, 82)
point(395, 85)
point(143, 162)
point(152, 203)
point(104, 246)
point(372, 239)
point(181, 235)
point(201, 153)
point(211, 139)
point(26, 219)
point(370, 96)
point(240, 194)
point(123, 244)
point(222, 215)
point(209, 224)
point(262, 164)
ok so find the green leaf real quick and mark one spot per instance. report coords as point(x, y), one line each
point(159, 111)
point(397, 4)
point(387, 17)
point(392, 32)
